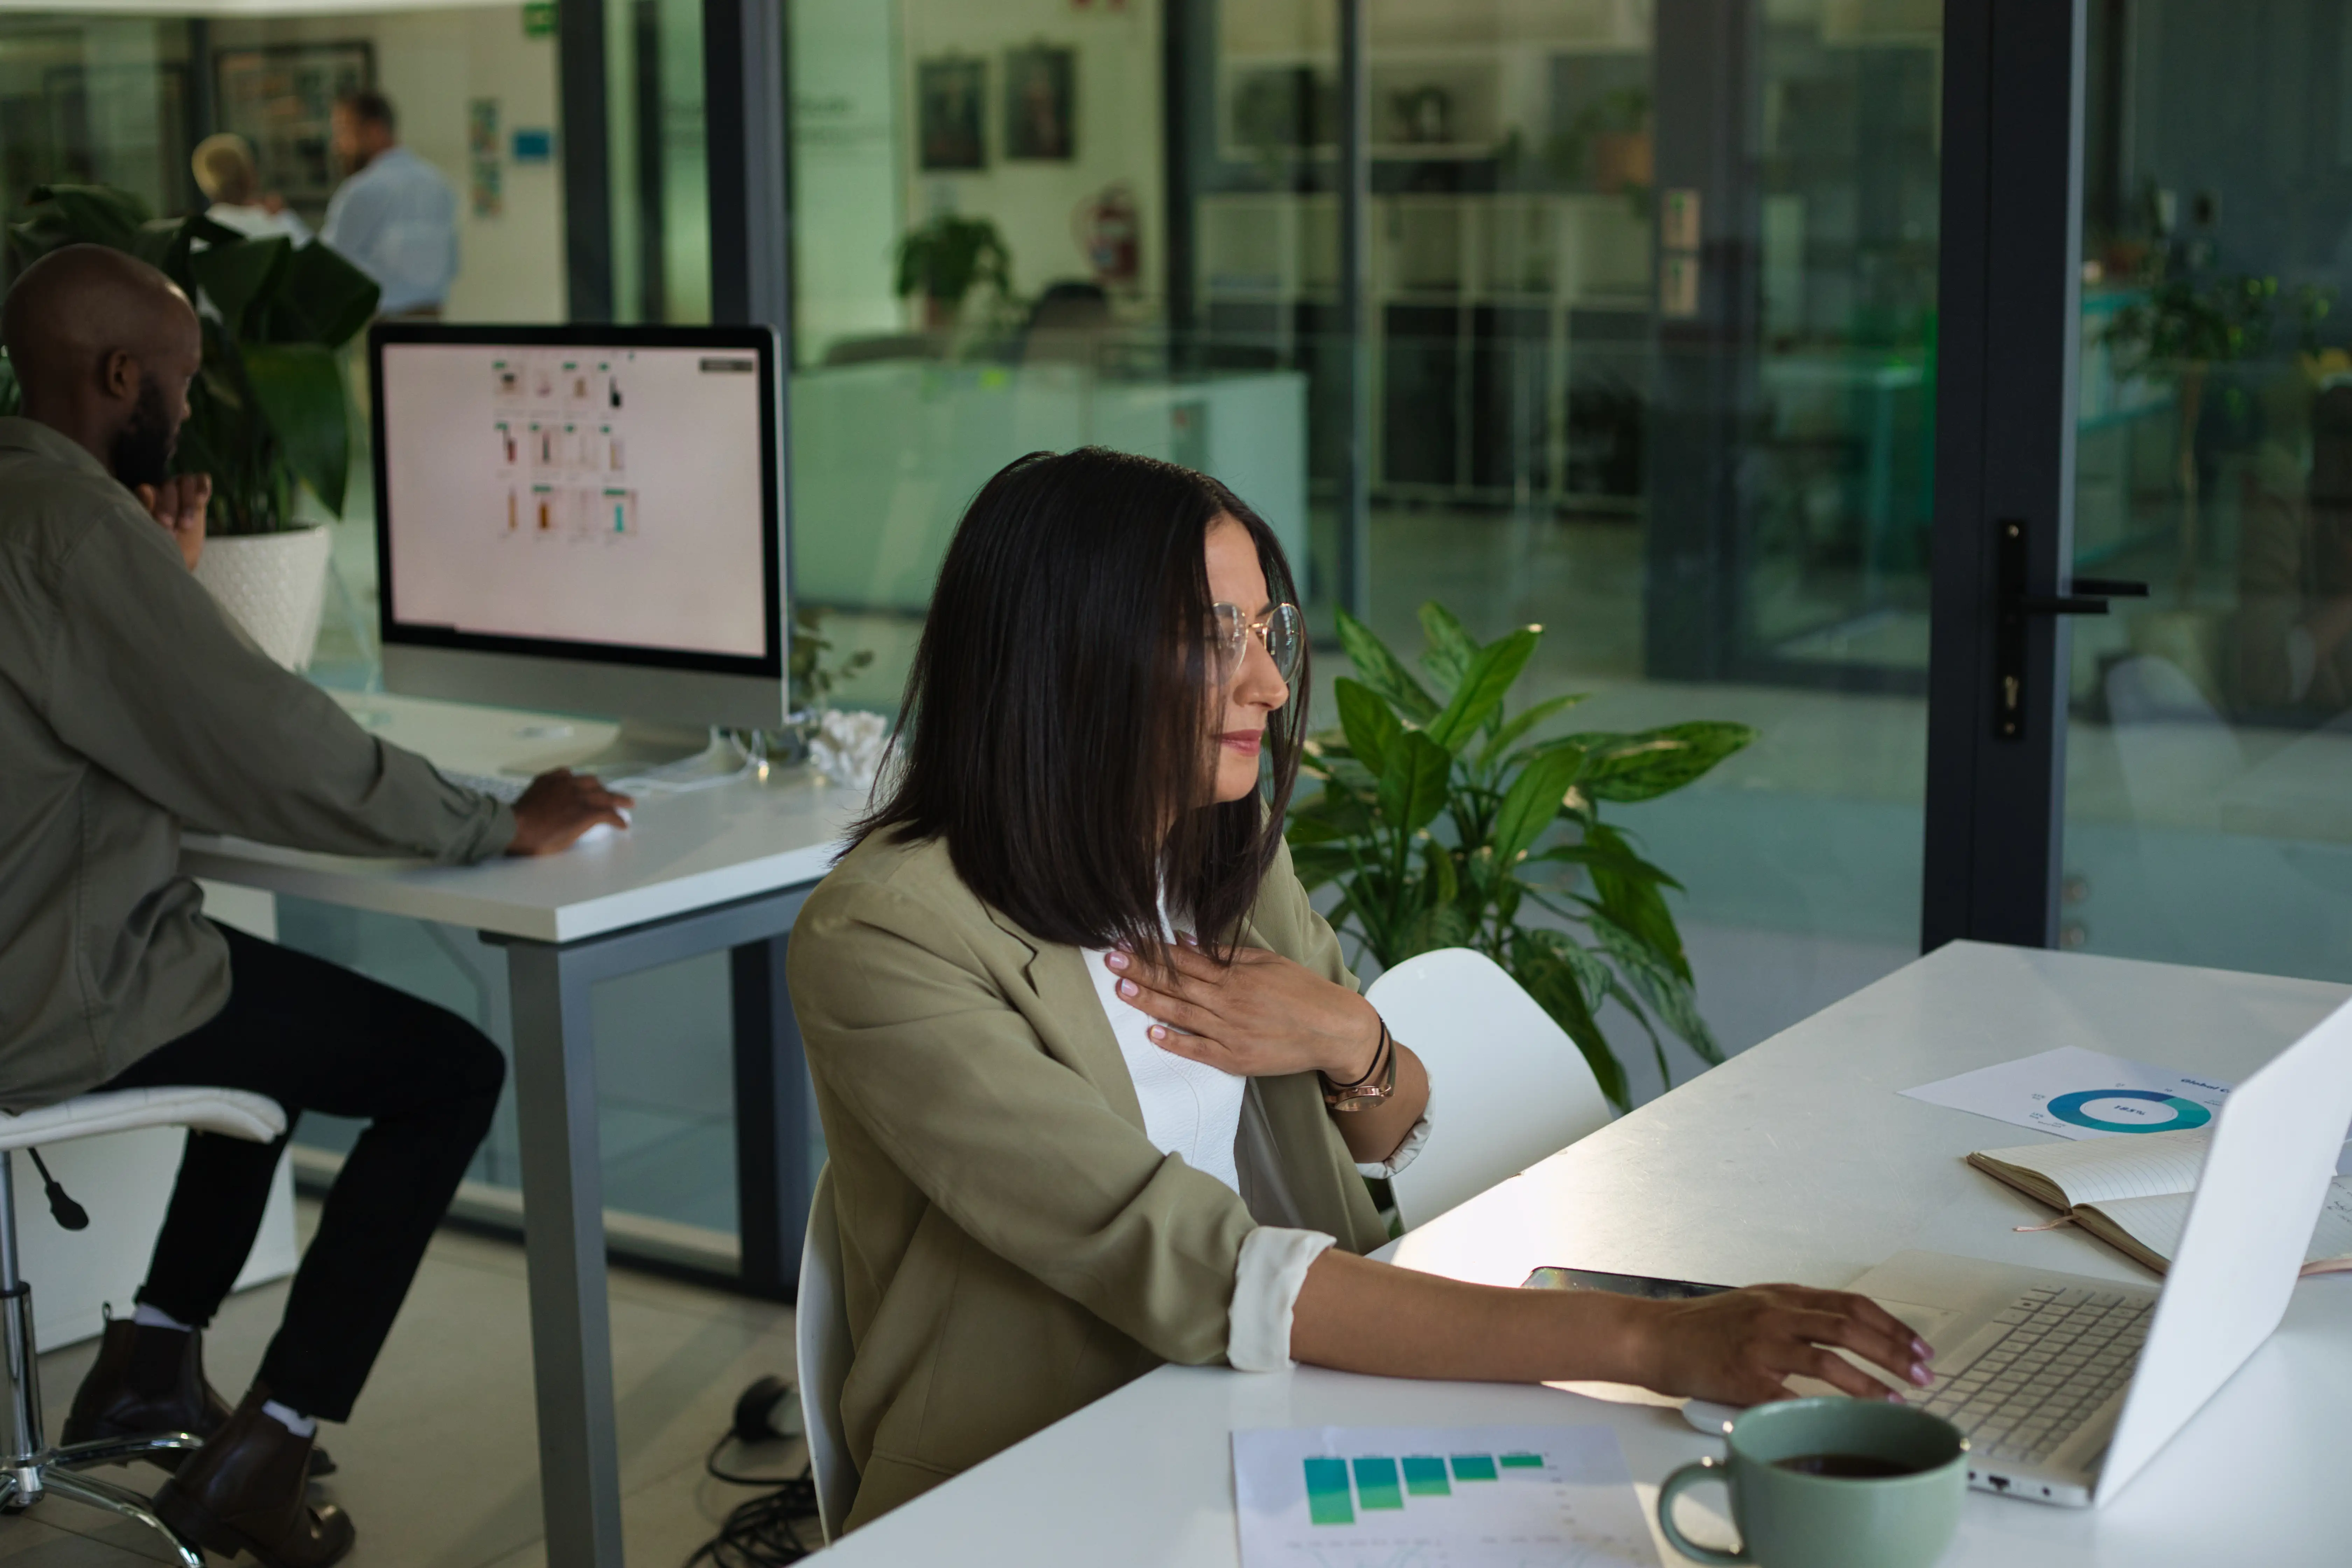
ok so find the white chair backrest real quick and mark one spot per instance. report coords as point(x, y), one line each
point(1509, 1086)
point(820, 1336)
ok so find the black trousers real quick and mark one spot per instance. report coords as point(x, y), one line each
point(312, 1036)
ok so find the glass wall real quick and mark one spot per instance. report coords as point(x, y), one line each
point(95, 100)
point(1653, 322)
point(1649, 329)
point(989, 259)
point(655, 123)
point(2211, 728)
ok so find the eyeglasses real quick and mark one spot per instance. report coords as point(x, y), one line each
point(1282, 629)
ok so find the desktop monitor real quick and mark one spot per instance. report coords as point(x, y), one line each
point(587, 519)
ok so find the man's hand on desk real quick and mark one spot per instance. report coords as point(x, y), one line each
point(1741, 1346)
point(179, 503)
point(559, 807)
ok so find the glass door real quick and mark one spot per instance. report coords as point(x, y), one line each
point(1652, 335)
point(2208, 818)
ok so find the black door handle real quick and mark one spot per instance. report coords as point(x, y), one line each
point(2053, 605)
point(2014, 604)
point(2110, 588)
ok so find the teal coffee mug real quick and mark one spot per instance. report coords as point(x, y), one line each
point(1832, 1483)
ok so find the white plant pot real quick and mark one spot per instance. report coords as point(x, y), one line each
point(272, 584)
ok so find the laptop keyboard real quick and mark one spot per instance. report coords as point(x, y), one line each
point(2066, 1352)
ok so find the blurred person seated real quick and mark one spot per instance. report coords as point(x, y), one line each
point(2291, 635)
point(227, 173)
point(129, 705)
point(395, 216)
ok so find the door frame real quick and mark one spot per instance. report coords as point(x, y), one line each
point(2008, 341)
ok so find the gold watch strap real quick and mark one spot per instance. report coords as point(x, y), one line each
point(1364, 1091)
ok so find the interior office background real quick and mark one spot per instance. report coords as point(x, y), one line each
point(1713, 513)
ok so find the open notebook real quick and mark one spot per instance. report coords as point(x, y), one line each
point(2132, 1192)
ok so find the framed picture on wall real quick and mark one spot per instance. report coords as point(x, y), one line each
point(279, 97)
point(949, 93)
point(1041, 103)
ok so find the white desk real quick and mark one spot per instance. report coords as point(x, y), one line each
point(698, 872)
point(1796, 1161)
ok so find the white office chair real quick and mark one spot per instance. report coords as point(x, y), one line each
point(821, 1339)
point(31, 1469)
point(1511, 1087)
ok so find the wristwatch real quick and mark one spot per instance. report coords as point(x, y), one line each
point(1364, 1091)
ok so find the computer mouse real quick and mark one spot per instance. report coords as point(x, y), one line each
point(604, 830)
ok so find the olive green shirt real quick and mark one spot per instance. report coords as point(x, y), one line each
point(129, 706)
point(1012, 1245)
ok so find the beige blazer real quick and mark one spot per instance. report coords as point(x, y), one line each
point(1012, 1247)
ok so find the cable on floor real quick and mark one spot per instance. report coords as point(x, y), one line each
point(766, 1531)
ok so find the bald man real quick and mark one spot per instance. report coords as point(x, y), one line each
point(129, 705)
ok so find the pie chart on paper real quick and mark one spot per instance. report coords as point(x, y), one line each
point(2129, 1111)
point(2078, 1093)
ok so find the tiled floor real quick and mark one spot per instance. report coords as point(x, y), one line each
point(439, 1464)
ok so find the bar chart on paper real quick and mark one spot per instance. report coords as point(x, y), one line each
point(1470, 1497)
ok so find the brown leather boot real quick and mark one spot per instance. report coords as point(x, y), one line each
point(147, 1381)
point(246, 1490)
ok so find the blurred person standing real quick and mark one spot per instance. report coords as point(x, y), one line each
point(395, 218)
point(227, 173)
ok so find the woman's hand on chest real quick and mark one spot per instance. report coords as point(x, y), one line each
point(1260, 1017)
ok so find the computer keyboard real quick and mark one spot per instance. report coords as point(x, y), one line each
point(2066, 1352)
point(498, 786)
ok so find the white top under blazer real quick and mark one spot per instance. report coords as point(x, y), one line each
point(1194, 1111)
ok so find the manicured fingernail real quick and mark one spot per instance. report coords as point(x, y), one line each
point(1127, 988)
point(1116, 959)
point(1156, 1032)
point(1920, 1374)
point(1922, 1349)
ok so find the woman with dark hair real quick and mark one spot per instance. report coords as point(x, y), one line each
point(1098, 1091)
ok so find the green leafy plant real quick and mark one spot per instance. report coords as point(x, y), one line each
point(1444, 825)
point(268, 410)
point(947, 257)
point(812, 677)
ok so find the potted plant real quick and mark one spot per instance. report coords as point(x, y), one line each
point(268, 412)
point(945, 259)
point(1444, 824)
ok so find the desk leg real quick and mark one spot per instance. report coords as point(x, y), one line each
point(563, 1241)
point(772, 1114)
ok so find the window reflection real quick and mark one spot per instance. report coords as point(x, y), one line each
point(2213, 720)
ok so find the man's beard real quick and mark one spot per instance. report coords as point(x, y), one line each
point(141, 454)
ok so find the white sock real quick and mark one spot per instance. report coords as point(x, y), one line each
point(300, 1426)
point(148, 1317)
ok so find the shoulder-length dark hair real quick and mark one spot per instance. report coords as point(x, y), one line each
point(1056, 724)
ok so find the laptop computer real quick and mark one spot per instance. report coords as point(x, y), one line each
point(2066, 1386)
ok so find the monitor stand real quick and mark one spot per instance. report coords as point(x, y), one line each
point(670, 755)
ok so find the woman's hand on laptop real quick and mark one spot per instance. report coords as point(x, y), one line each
point(559, 806)
point(1741, 1347)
